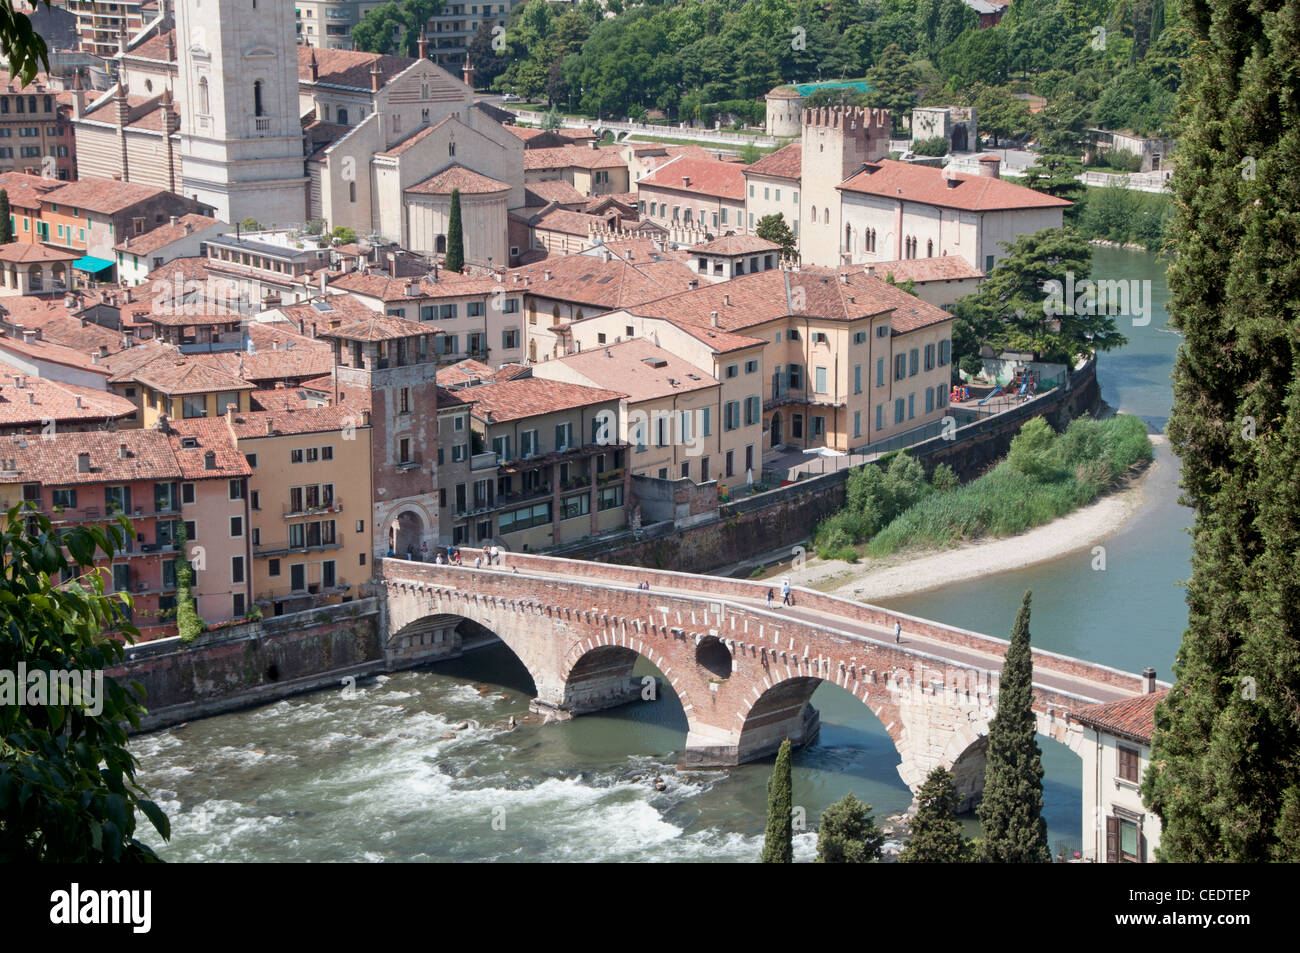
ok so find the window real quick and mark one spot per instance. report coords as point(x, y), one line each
point(929, 400)
point(1128, 763)
point(753, 410)
point(900, 409)
point(237, 569)
point(706, 422)
point(913, 360)
point(929, 357)
point(900, 366)
point(882, 331)
point(857, 423)
point(236, 526)
point(796, 376)
point(297, 576)
point(273, 567)
point(295, 456)
point(818, 425)
point(945, 352)
point(819, 380)
point(751, 367)
point(857, 378)
point(609, 498)
point(459, 453)
point(510, 339)
point(731, 415)
point(117, 499)
point(880, 416)
point(528, 444)
point(236, 489)
point(1123, 841)
point(404, 450)
point(911, 406)
point(194, 406)
point(860, 337)
point(577, 505)
point(732, 370)
point(67, 499)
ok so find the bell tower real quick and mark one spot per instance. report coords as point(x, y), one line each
point(241, 134)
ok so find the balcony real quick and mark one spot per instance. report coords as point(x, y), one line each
point(483, 461)
point(285, 550)
point(288, 512)
point(314, 589)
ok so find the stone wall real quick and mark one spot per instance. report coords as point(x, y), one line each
point(254, 663)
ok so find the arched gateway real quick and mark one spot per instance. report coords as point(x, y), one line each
point(744, 674)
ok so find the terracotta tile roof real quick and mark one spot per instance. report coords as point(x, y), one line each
point(105, 196)
point(460, 397)
point(189, 268)
point(460, 178)
point(720, 341)
point(322, 384)
point(929, 186)
point(57, 325)
point(736, 245)
point(567, 222)
point(573, 157)
point(42, 350)
point(156, 48)
point(125, 362)
point(319, 312)
point(379, 327)
point(187, 316)
point(282, 398)
point(784, 92)
point(943, 268)
point(413, 139)
point(143, 112)
point(164, 235)
point(755, 299)
point(555, 190)
point(150, 455)
point(25, 191)
point(191, 442)
point(292, 421)
point(784, 163)
point(638, 367)
point(529, 132)
point(642, 250)
point(20, 253)
point(277, 355)
point(349, 67)
point(1131, 717)
point(589, 280)
point(463, 372)
point(713, 177)
point(530, 396)
point(42, 399)
point(625, 202)
point(186, 375)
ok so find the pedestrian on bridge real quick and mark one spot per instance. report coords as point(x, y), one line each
point(786, 598)
point(898, 631)
point(771, 597)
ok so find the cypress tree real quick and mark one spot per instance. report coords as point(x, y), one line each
point(455, 258)
point(1012, 808)
point(188, 623)
point(778, 842)
point(936, 832)
point(848, 833)
point(6, 226)
point(1225, 764)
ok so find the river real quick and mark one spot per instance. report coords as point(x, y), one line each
point(419, 766)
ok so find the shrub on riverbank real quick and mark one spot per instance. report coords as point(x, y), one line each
point(1126, 216)
point(1044, 476)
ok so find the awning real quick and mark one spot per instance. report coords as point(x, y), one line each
point(91, 264)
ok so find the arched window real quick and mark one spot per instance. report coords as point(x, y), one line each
point(257, 99)
point(929, 248)
point(827, 212)
point(848, 238)
point(352, 191)
point(204, 107)
point(440, 245)
point(814, 213)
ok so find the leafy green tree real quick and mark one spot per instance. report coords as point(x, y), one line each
point(68, 792)
point(977, 56)
point(251, 224)
point(1013, 311)
point(934, 146)
point(1225, 762)
point(188, 623)
point(394, 27)
point(944, 478)
point(778, 842)
point(1011, 810)
point(486, 55)
point(848, 833)
point(1055, 175)
point(343, 235)
point(1031, 449)
point(551, 120)
point(749, 153)
point(773, 228)
point(936, 832)
point(6, 224)
point(893, 84)
point(1001, 114)
point(22, 47)
point(455, 258)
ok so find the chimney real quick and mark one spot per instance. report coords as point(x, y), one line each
point(686, 181)
point(365, 418)
point(692, 283)
point(713, 318)
point(422, 46)
point(592, 144)
point(1148, 679)
point(174, 220)
point(314, 67)
point(121, 451)
point(163, 425)
point(31, 398)
point(412, 289)
point(467, 72)
point(726, 299)
point(392, 264)
point(375, 77)
point(269, 430)
point(29, 335)
point(322, 281)
point(210, 460)
point(79, 407)
point(83, 463)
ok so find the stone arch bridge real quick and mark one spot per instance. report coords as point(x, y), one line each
point(744, 673)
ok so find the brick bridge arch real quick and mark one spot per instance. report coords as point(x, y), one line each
point(578, 627)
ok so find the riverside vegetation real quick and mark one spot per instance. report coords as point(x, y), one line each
point(892, 506)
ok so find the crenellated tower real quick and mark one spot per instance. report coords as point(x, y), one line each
point(837, 142)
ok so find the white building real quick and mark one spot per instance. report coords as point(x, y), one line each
point(183, 237)
point(241, 132)
point(1116, 750)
